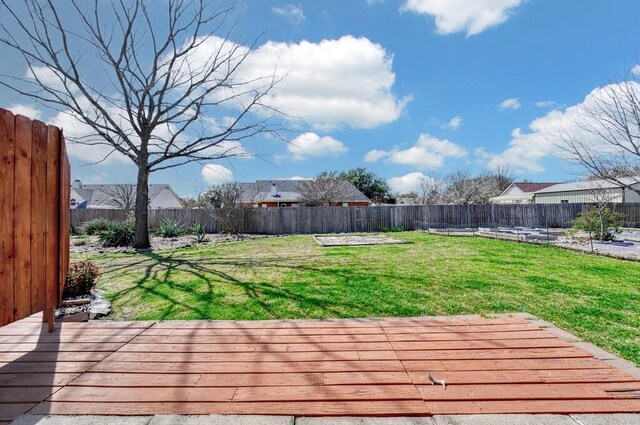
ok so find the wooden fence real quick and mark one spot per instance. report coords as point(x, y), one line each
point(369, 219)
point(34, 217)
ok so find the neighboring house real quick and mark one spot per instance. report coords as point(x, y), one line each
point(103, 196)
point(286, 193)
point(520, 193)
point(589, 191)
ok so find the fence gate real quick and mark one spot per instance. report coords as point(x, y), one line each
point(34, 217)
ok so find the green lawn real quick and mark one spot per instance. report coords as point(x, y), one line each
point(593, 297)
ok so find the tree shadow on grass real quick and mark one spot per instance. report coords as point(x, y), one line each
point(160, 281)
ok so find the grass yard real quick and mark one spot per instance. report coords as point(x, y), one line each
point(293, 277)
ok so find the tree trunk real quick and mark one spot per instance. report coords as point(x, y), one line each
point(141, 240)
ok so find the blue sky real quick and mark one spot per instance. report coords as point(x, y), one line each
point(409, 88)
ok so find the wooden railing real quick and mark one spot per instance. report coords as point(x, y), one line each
point(34, 217)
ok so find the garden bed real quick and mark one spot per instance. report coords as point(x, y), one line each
point(91, 244)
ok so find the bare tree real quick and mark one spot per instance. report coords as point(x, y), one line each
point(122, 196)
point(602, 195)
point(327, 189)
point(431, 190)
point(461, 188)
point(149, 80)
point(228, 204)
point(503, 177)
point(605, 138)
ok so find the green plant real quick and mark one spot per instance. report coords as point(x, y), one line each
point(170, 228)
point(391, 229)
point(199, 232)
point(602, 223)
point(97, 226)
point(118, 234)
point(81, 279)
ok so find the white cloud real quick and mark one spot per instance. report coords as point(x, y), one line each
point(545, 103)
point(527, 149)
point(636, 70)
point(332, 83)
point(470, 16)
point(310, 144)
point(328, 84)
point(428, 152)
point(216, 174)
point(511, 103)
point(375, 155)
point(291, 11)
point(295, 178)
point(25, 110)
point(227, 148)
point(453, 124)
point(407, 183)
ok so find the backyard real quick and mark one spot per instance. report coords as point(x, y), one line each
point(596, 298)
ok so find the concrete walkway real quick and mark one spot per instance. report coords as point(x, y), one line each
point(616, 419)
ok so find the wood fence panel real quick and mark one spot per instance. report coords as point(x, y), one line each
point(64, 188)
point(38, 214)
point(22, 218)
point(308, 220)
point(53, 217)
point(34, 204)
point(7, 143)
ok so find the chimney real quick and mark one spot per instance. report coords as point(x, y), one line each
point(274, 190)
point(77, 184)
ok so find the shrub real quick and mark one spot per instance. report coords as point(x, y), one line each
point(198, 232)
point(170, 228)
point(118, 234)
point(391, 229)
point(603, 224)
point(82, 277)
point(97, 226)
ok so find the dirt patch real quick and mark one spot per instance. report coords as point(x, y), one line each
point(91, 244)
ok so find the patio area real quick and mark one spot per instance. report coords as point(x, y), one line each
point(357, 367)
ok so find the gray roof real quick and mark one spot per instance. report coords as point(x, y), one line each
point(101, 194)
point(288, 191)
point(590, 185)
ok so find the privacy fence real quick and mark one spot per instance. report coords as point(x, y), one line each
point(303, 220)
point(34, 217)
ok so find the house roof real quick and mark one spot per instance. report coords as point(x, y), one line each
point(528, 187)
point(590, 185)
point(102, 194)
point(289, 191)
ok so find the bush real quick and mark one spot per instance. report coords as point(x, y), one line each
point(602, 224)
point(118, 234)
point(198, 232)
point(82, 277)
point(97, 226)
point(170, 228)
point(391, 229)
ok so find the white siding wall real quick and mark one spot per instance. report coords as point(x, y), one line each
point(580, 196)
point(165, 199)
point(513, 190)
point(631, 196)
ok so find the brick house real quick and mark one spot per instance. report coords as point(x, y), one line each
point(285, 193)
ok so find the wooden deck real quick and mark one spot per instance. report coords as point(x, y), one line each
point(346, 367)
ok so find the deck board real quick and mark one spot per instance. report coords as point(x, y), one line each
point(360, 367)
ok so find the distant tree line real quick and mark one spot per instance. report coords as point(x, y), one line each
point(328, 188)
point(461, 187)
